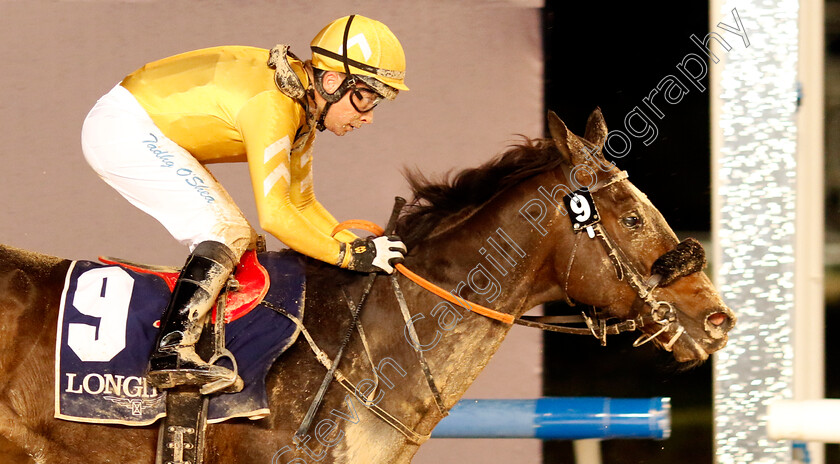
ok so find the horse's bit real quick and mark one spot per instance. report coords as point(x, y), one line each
point(662, 313)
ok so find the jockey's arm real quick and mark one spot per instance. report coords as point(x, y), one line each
point(280, 187)
point(318, 215)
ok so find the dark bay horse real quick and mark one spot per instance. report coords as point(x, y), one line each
point(494, 235)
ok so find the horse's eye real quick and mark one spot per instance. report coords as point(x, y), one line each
point(631, 222)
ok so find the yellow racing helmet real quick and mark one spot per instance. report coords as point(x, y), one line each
point(363, 47)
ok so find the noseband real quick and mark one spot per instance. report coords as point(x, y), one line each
point(687, 258)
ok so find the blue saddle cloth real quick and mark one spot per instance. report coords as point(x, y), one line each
point(106, 332)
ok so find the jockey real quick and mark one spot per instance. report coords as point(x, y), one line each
point(150, 137)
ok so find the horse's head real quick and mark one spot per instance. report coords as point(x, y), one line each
point(630, 264)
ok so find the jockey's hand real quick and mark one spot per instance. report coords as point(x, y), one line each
point(376, 254)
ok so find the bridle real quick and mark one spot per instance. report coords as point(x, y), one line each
point(662, 313)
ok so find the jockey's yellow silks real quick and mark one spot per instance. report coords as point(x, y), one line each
point(222, 105)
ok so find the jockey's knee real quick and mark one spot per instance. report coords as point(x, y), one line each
point(237, 234)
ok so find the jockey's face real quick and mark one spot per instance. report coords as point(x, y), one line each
point(342, 116)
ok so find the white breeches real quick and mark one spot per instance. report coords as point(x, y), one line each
point(129, 152)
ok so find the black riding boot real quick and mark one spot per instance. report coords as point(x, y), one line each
point(174, 361)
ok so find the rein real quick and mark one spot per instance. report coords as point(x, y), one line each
point(662, 312)
point(474, 307)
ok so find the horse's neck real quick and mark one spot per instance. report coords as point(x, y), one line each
point(490, 257)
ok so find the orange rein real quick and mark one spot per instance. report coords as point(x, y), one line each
point(476, 308)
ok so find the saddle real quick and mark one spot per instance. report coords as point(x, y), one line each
point(250, 281)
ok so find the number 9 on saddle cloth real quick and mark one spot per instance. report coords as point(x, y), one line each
point(107, 330)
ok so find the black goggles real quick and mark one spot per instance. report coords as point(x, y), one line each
point(364, 99)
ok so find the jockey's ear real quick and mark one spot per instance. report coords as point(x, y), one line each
point(332, 81)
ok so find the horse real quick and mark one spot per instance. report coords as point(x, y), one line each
point(496, 234)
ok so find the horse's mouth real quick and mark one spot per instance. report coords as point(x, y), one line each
point(690, 337)
point(696, 345)
point(687, 349)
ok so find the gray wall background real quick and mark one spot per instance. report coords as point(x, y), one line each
point(475, 73)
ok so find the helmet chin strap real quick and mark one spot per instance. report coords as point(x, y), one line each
point(329, 101)
point(349, 81)
point(331, 98)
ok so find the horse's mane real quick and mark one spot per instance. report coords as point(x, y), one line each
point(435, 200)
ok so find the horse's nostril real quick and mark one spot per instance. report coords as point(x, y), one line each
point(718, 319)
point(718, 324)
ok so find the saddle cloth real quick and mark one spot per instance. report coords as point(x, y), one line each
point(107, 328)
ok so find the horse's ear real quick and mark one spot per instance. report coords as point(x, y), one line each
point(560, 134)
point(570, 145)
point(596, 128)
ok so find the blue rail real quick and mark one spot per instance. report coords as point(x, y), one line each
point(558, 419)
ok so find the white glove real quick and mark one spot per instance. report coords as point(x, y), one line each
point(376, 254)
